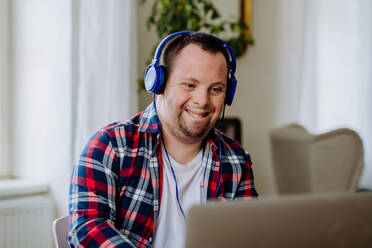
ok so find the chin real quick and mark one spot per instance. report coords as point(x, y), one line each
point(196, 135)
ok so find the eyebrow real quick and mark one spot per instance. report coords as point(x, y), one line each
point(197, 81)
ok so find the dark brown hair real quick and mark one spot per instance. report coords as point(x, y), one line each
point(206, 41)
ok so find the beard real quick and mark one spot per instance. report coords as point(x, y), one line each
point(188, 133)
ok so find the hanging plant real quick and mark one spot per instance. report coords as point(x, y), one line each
point(169, 16)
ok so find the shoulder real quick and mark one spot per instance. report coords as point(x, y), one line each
point(114, 135)
point(115, 130)
point(231, 148)
point(227, 141)
point(142, 122)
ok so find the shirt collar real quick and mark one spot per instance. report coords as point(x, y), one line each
point(213, 137)
point(149, 122)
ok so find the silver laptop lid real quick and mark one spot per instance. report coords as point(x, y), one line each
point(311, 220)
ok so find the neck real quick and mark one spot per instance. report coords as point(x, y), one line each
point(180, 151)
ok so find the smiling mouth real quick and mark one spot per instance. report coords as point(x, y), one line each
point(197, 115)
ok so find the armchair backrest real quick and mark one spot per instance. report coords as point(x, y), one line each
point(305, 162)
point(60, 231)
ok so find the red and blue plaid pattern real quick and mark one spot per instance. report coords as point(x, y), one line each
point(116, 185)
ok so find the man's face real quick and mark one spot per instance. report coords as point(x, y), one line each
point(194, 94)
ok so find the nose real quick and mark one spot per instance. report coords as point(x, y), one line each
point(201, 97)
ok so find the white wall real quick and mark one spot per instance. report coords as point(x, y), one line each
point(267, 88)
point(41, 47)
point(147, 39)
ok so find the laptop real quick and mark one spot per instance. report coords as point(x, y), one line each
point(308, 220)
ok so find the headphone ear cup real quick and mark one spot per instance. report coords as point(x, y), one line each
point(231, 87)
point(153, 78)
point(150, 78)
point(164, 77)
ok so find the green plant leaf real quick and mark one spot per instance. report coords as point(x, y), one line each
point(169, 16)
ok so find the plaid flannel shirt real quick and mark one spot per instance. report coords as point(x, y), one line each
point(116, 186)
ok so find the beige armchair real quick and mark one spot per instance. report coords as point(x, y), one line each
point(304, 162)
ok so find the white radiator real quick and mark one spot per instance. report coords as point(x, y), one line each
point(26, 221)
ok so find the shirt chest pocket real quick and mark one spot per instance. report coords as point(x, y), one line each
point(232, 175)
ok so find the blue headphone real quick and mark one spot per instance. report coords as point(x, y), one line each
point(154, 75)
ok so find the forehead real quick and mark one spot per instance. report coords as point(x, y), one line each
point(203, 66)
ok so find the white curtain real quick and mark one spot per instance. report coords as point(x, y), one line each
point(336, 82)
point(4, 87)
point(40, 94)
point(73, 70)
point(105, 71)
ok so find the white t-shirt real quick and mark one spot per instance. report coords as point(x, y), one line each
point(170, 229)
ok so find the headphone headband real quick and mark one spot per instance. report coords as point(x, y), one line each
point(154, 75)
point(164, 42)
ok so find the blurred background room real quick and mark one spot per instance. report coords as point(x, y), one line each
point(70, 67)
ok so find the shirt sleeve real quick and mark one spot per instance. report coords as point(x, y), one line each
point(246, 187)
point(92, 200)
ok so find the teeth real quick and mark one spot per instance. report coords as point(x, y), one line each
point(195, 115)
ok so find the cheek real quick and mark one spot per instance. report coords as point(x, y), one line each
point(218, 103)
point(178, 99)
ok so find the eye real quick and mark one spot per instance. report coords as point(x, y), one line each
point(216, 90)
point(189, 86)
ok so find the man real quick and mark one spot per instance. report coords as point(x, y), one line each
point(136, 180)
